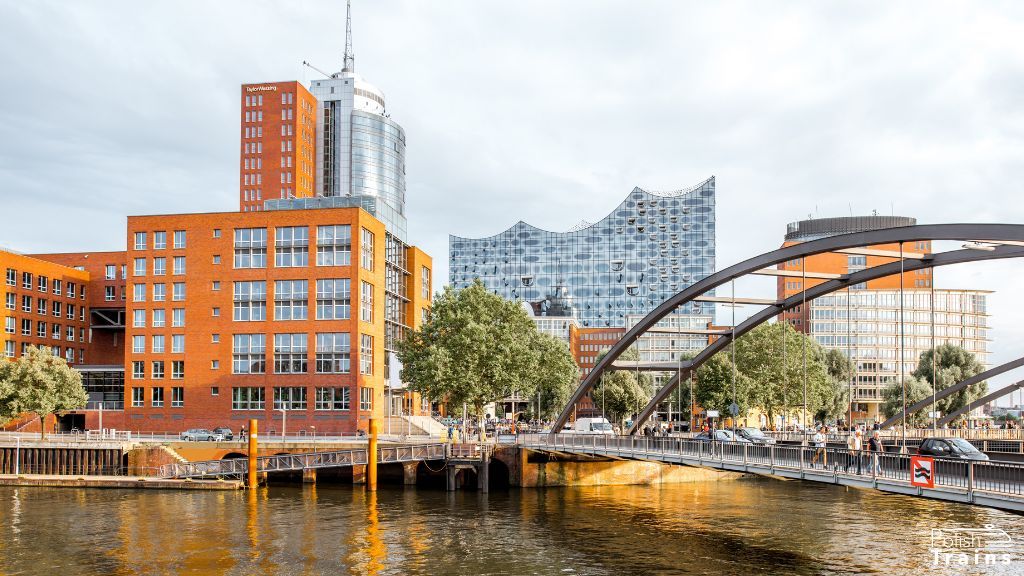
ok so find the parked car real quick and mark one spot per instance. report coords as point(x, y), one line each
point(200, 434)
point(225, 433)
point(721, 436)
point(754, 435)
point(950, 448)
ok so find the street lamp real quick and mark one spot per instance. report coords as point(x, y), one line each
point(284, 421)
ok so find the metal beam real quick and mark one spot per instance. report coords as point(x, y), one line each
point(956, 388)
point(954, 232)
point(641, 366)
point(882, 253)
point(737, 300)
point(683, 331)
point(981, 402)
point(796, 274)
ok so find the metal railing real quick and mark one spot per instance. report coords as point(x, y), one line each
point(826, 464)
point(303, 461)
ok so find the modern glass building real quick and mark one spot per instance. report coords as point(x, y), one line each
point(652, 245)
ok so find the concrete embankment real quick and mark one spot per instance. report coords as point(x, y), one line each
point(132, 482)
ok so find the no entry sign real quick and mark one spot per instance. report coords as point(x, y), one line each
point(922, 471)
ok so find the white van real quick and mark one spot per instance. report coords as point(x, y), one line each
point(592, 426)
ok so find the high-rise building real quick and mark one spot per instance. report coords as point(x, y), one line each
point(278, 143)
point(653, 245)
point(864, 321)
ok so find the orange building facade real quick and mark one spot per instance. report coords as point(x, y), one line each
point(278, 143)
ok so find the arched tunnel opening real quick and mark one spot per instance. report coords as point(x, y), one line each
point(499, 477)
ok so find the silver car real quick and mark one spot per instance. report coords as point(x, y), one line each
point(200, 434)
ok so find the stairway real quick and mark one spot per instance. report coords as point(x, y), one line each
point(404, 426)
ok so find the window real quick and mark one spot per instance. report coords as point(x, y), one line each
point(138, 344)
point(10, 301)
point(55, 334)
point(109, 293)
point(291, 299)
point(425, 281)
point(26, 280)
point(26, 303)
point(139, 267)
point(365, 354)
point(179, 239)
point(179, 292)
point(159, 266)
point(332, 399)
point(159, 318)
point(9, 325)
point(366, 302)
point(333, 353)
point(289, 398)
point(139, 293)
point(70, 311)
point(140, 240)
point(159, 240)
point(55, 308)
point(138, 369)
point(216, 232)
point(290, 353)
point(214, 391)
point(158, 344)
point(26, 327)
point(333, 299)
point(178, 317)
point(247, 398)
point(137, 398)
point(366, 399)
point(334, 245)
point(214, 364)
point(42, 283)
point(179, 265)
point(215, 338)
point(366, 249)
point(216, 258)
point(71, 289)
point(9, 348)
point(124, 271)
point(249, 354)
point(216, 311)
point(158, 370)
point(177, 397)
point(178, 370)
point(250, 301)
point(250, 248)
point(41, 307)
point(138, 318)
point(159, 292)
point(57, 287)
point(291, 246)
point(157, 397)
point(177, 344)
point(12, 277)
point(216, 285)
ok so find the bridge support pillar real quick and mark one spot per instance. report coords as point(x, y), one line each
point(482, 476)
point(309, 476)
point(409, 473)
point(451, 472)
point(359, 474)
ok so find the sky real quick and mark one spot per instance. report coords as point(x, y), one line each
point(544, 111)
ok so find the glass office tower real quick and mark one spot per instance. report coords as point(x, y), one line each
point(653, 245)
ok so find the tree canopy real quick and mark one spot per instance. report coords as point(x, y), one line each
point(619, 393)
point(39, 383)
point(953, 364)
point(917, 390)
point(477, 348)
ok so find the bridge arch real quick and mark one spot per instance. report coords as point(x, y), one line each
point(1008, 237)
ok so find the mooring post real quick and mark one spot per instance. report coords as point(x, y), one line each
point(371, 457)
point(253, 446)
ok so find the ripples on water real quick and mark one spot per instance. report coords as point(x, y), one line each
point(743, 527)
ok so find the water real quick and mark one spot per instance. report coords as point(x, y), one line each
point(733, 527)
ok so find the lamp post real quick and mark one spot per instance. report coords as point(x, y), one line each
point(284, 422)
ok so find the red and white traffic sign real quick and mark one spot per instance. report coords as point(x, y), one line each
point(922, 471)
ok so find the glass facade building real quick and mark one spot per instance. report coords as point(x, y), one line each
point(653, 245)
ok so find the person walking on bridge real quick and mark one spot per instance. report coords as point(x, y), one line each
point(819, 448)
point(875, 448)
point(853, 446)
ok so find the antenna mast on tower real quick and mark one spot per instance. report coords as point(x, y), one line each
point(350, 58)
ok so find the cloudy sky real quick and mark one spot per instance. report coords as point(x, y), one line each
point(543, 111)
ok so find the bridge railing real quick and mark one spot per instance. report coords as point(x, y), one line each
point(1004, 478)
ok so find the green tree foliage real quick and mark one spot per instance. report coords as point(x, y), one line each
point(917, 390)
point(558, 377)
point(954, 364)
point(40, 383)
point(477, 348)
point(619, 393)
point(714, 386)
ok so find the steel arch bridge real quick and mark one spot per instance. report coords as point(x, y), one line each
point(998, 241)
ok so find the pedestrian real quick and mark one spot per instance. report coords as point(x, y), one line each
point(876, 448)
point(451, 433)
point(241, 434)
point(853, 446)
point(819, 448)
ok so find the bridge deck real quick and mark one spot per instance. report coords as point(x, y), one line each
point(995, 484)
point(304, 461)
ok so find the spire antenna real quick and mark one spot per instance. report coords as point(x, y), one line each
point(350, 58)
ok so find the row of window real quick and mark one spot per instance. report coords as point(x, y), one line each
point(158, 344)
point(291, 300)
point(69, 353)
point(333, 353)
point(295, 398)
point(43, 284)
point(159, 266)
point(159, 292)
point(44, 307)
point(159, 318)
point(56, 331)
point(156, 397)
point(160, 240)
point(291, 247)
point(157, 373)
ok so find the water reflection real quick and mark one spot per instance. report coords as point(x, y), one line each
point(743, 527)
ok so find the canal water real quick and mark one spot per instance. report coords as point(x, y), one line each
point(739, 527)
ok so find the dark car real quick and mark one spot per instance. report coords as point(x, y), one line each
point(225, 432)
point(950, 448)
point(754, 435)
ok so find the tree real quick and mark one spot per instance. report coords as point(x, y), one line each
point(917, 390)
point(953, 364)
point(556, 376)
point(44, 384)
point(10, 406)
point(477, 348)
point(619, 393)
point(713, 388)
